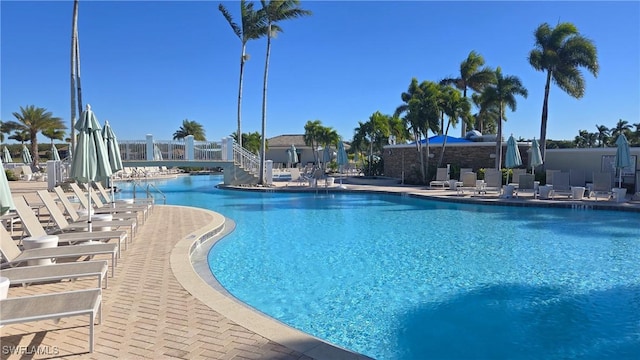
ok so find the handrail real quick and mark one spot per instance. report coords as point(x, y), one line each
point(246, 159)
point(148, 192)
point(164, 197)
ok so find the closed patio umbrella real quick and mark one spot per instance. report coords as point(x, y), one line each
point(26, 155)
point(623, 157)
point(342, 158)
point(512, 158)
point(6, 202)
point(6, 156)
point(90, 159)
point(54, 153)
point(113, 152)
point(535, 156)
point(292, 154)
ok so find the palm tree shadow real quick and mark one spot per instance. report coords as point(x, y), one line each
point(514, 321)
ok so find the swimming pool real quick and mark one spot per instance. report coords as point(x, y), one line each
point(397, 277)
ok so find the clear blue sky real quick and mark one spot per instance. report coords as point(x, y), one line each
point(147, 65)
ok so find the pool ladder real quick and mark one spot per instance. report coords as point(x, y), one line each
point(581, 206)
point(148, 191)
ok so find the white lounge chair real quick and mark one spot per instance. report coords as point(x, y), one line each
point(100, 208)
point(14, 257)
point(526, 185)
point(54, 306)
point(469, 182)
point(64, 226)
point(561, 185)
point(33, 228)
point(492, 181)
point(601, 185)
point(73, 213)
point(442, 178)
point(27, 275)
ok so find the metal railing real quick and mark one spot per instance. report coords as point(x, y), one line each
point(246, 159)
point(148, 191)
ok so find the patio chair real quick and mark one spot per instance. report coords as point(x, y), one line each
point(601, 185)
point(577, 177)
point(549, 176)
point(75, 216)
point(526, 185)
point(515, 177)
point(13, 256)
point(107, 197)
point(561, 185)
point(492, 182)
point(27, 275)
point(463, 171)
point(442, 178)
point(54, 306)
point(63, 225)
point(100, 208)
point(33, 227)
point(469, 182)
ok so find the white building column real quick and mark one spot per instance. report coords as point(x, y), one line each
point(189, 152)
point(149, 147)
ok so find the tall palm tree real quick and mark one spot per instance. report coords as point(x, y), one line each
point(19, 135)
point(421, 112)
point(33, 120)
point(636, 135)
point(456, 108)
point(190, 127)
point(602, 135)
point(472, 76)
point(274, 11)
point(373, 132)
point(503, 94)
point(561, 52)
point(252, 27)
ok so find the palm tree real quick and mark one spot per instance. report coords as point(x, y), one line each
point(503, 94)
point(33, 120)
point(54, 134)
point(472, 76)
point(6, 128)
point(421, 114)
point(602, 135)
point(622, 127)
point(636, 135)
point(455, 107)
point(190, 127)
point(252, 27)
point(486, 118)
point(273, 12)
point(560, 52)
point(19, 135)
point(373, 132)
point(312, 133)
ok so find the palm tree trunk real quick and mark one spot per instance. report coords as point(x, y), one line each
point(34, 148)
point(74, 37)
point(444, 144)
point(263, 145)
point(242, 61)
point(499, 141)
point(78, 74)
point(545, 115)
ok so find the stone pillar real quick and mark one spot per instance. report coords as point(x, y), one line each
point(189, 153)
point(149, 147)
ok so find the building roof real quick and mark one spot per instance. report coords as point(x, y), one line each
point(286, 141)
point(439, 139)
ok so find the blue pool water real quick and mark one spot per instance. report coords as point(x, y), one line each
point(403, 278)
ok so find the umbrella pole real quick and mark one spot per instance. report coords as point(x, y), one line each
point(113, 200)
point(89, 226)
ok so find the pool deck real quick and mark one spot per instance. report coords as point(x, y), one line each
point(157, 307)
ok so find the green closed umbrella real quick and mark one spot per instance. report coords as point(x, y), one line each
point(512, 158)
point(623, 156)
point(6, 202)
point(90, 159)
point(292, 153)
point(6, 156)
point(535, 156)
point(113, 153)
point(54, 153)
point(26, 155)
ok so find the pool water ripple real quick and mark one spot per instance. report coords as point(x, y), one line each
point(403, 278)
